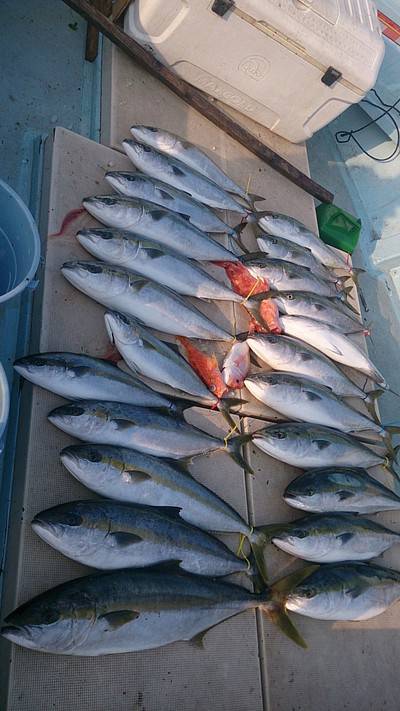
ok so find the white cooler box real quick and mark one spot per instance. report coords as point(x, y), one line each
point(291, 65)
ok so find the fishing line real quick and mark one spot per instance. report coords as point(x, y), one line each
point(347, 136)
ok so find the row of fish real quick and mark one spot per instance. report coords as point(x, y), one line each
point(137, 444)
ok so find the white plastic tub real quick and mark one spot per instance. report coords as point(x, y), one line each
point(291, 65)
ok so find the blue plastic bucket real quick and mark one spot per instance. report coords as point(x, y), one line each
point(19, 244)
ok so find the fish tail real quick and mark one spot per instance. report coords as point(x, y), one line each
point(224, 406)
point(370, 404)
point(234, 448)
point(277, 614)
point(254, 573)
point(255, 198)
point(258, 541)
point(344, 301)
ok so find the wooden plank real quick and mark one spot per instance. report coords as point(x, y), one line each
point(119, 7)
point(92, 33)
point(199, 101)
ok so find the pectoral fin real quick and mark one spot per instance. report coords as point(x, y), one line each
point(119, 618)
point(124, 539)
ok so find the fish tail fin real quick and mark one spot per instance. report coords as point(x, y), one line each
point(261, 213)
point(344, 301)
point(234, 449)
point(254, 573)
point(258, 541)
point(255, 198)
point(275, 606)
point(370, 404)
point(224, 406)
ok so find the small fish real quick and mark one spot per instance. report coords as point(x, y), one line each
point(293, 230)
point(205, 366)
point(310, 446)
point(143, 187)
point(156, 306)
point(132, 477)
point(150, 431)
point(332, 537)
point(291, 355)
point(242, 281)
point(268, 313)
point(80, 377)
point(345, 591)
point(343, 489)
point(319, 308)
point(131, 610)
point(108, 535)
point(299, 397)
point(174, 172)
point(281, 275)
point(236, 365)
point(190, 155)
point(147, 355)
point(279, 248)
point(155, 262)
point(332, 343)
point(145, 219)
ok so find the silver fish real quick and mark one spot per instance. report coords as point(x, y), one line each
point(340, 489)
point(80, 377)
point(145, 219)
point(279, 248)
point(236, 365)
point(109, 535)
point(143, 187)
point(155, 305)
point(345, 591)
point(131, 610)
point(319, 308)
point(332, 343)
point(283, 275)
point(299, 397)
point(293, 230)
point(150, 431)
point(190, 155)
point(293, 356)
point(156, 262)
point(147, 355)
point(332, 538)
point(130, 476)
point(174, 172)
point(307, 446)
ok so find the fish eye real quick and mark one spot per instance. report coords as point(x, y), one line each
point(75, 410)
point(69, 519)
point(298, 533)
point(309, 592)
point(94, 268)
point(50, 616)
point(152, 129)
point(290, 297)
point(274, 241)
point(310, 492)
point(273, 339)
point(147, 149)
point(94, 456)
point(279, 434)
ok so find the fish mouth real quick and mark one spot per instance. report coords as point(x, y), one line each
point(289, 495)
point(44, 529)
point(13, 633)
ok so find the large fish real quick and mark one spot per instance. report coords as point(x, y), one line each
point(131, 610)
point(174, 172)
point(340, 489)
point(332, 343)
point(145, 354)
point(293, 356)
point(156, 306)
point(283, 275)
point(109, 535)
point(332, 537)
point(145, 219)
point(190, 155)
point(155, 262)
point(307, 446)
point(132, 477)
point(150, 431)
point(293, 230)
point(279, 248)
point(143, 187)
point(345, 591)
point(80, 377)
point(319, 308)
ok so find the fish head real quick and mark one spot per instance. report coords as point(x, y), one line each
point(120, 179)
point(114, 210)
point(51, 622)
point(112, 245)
point(59, 522)
point(152, 136)
point(139, 153)
point(95, 278)
point(304, 538)
point(82, 419)
point(304, 492)
point(92, 464)
point(281, 438)
point(122, 329)
point(40, 367)
point(276, 225)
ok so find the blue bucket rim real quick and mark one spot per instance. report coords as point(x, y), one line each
point(4, 410)
point(37, 244)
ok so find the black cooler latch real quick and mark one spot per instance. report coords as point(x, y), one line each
point(331, 76)
point(221, 7)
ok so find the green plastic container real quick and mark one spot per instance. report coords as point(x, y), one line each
point(338, 228)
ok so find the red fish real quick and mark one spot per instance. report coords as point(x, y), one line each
point(236, 365)
point(270, 315)
point(205, 366)
point(242, 281)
